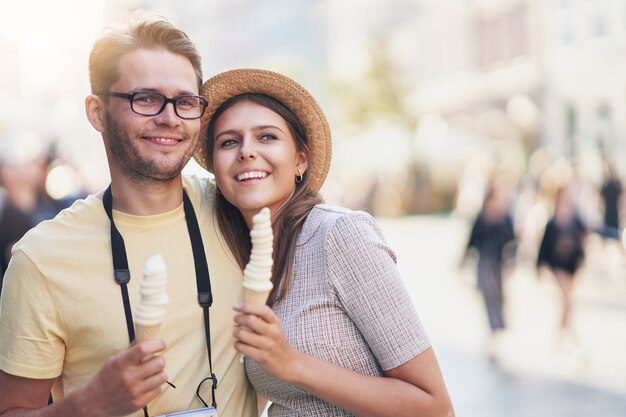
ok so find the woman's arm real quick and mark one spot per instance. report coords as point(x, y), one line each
point(413, 388)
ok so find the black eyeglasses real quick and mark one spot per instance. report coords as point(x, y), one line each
point(213, 380)
point(151, 104)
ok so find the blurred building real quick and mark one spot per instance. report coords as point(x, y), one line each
point(541, 73)
point(585, 80)
point(418, 92)
point(44, 48)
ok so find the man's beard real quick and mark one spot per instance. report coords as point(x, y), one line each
point(129, 159)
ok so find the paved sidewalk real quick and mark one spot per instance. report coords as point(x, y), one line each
point(536, 372)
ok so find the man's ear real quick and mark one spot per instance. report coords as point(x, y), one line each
point(94, 107)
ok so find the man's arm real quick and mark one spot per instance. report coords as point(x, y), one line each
point(22, 393)
point(126, 382)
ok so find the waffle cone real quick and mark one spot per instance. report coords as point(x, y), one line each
point(255, 297)
point(143, 333)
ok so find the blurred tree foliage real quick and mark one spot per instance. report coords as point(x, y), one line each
point(379, 93)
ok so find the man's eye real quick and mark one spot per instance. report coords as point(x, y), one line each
point(187, 102)
point(147, 99)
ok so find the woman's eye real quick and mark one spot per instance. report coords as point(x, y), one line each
point(227, 142)
point(268, 136)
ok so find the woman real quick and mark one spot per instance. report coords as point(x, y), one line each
point(562, 250)
point(342, 336)
point(491, 233)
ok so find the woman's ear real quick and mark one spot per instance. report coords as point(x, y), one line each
point(302, 162)
point(94, 107)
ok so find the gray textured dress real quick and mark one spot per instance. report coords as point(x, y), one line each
point(346, 304)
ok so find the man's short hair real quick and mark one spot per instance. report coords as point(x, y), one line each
point(146, 33)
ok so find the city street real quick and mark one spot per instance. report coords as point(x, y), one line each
point(535, 372)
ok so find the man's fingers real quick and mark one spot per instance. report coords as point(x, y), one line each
point(153, 382)
point(152, 366)
point(139, 351)
point(146, 398)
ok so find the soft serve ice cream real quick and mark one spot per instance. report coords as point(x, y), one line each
point(258, 272)
point(151, 309)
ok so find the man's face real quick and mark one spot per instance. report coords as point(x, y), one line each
point(150, 148)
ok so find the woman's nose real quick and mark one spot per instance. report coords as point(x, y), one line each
point(247, 152)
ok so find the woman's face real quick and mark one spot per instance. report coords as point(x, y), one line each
point(255, 159)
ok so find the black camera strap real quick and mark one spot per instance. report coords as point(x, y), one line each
point(203, 279)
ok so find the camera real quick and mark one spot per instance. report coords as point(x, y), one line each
point(201, 412)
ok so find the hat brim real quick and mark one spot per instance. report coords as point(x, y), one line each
point(218, 89)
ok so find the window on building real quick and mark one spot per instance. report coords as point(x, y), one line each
point(604, 128)
point(571, 129)
point(502, 36)
point(519, 31)
point(565, 23)
point(571, 120)
point(599, 11)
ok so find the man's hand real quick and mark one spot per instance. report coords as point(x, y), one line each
point(128, 381)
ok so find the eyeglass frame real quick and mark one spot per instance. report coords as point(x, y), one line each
point(131, 96)
point(213, 380)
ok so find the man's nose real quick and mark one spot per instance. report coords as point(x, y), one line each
point(168, 115)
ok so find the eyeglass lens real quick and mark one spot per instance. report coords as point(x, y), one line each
point(151, 104)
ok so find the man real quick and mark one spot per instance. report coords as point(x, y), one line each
point(63, 322)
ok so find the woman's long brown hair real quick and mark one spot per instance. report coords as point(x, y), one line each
point(288, 224)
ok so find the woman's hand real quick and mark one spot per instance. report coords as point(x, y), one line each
point(260, 337)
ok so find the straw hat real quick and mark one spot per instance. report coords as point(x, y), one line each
point(218, 89)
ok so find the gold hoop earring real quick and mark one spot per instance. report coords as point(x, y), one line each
point(299, 177)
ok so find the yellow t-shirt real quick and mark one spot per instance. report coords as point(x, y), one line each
point(62, 315)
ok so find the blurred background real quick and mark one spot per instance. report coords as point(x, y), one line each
point(432, 104)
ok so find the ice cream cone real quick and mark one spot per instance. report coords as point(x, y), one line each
point(257, 274)
point(153, 299)
point(255, 297)
point(143, 333)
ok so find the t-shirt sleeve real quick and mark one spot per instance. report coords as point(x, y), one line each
point(363, 271)
point(31, 330)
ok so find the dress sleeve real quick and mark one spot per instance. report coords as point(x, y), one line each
point(362, 270)
point(31, 329)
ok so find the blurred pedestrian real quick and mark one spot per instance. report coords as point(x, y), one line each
point(611, 193)
point(492, 232)
point(14, 223)
point(562, 251)
point(46, 205)
point(21, 164)
point(24, 198)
